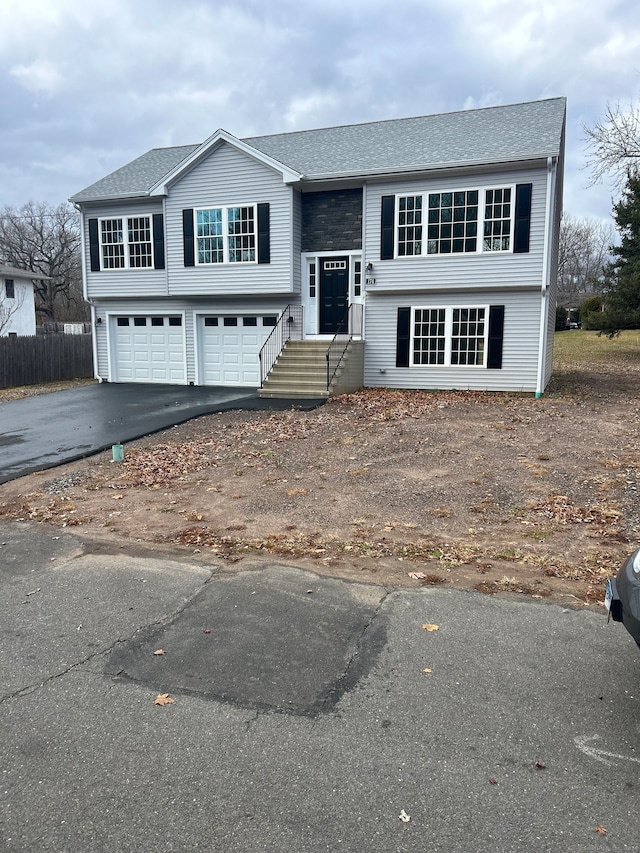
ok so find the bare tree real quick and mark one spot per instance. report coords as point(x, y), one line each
point(45, 240)
point(584, 253)
point(613, 144)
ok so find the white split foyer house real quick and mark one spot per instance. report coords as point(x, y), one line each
point(17, 305)
point(410, 253)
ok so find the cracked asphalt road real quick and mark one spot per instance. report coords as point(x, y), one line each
point(303, 721)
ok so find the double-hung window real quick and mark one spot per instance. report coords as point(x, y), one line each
point(449, 336)
point(465, 221)
point(125, 243)
point(409, 225)
point(497, 220)
point(226, 235)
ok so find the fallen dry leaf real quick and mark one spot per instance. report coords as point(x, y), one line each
point(429, 627)
point(417, 576)
point(426, 669)
point(601, 829)
point(164, 699)
point(159, 652)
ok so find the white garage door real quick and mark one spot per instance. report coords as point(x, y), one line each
point(230, 346)
point(149, 349)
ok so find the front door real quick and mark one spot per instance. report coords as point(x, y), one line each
point(334, 295)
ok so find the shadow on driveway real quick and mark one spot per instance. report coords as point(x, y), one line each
point(51, 429)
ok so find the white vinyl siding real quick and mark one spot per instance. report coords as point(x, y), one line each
point(143, 281)
point(20, 307)
point(476, 270)
point(230, 178)
point(519, 349)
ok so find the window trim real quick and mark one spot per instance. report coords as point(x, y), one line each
point(448, 335)
point(424, 195)
point(225, 235)
point(125, 219)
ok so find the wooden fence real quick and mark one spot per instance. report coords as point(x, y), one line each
point(26, 360)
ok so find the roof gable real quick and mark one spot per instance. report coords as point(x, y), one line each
point(202, 151)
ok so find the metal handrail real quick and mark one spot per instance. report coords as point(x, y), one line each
point(289, 327)
point(349, 328)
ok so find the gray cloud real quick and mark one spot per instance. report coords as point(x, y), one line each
point(86, 87)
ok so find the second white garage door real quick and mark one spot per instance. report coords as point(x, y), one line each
point(229, 347)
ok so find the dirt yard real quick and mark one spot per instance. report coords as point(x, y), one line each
point(500, 493)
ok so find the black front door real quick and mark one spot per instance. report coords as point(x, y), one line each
point(334, 294)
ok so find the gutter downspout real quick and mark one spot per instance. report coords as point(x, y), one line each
point(85, 294)
point(363, 263)
point(546, 276)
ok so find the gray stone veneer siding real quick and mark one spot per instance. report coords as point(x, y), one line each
point(332, 221)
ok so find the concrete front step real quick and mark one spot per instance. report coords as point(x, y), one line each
point(300, 371)
point(298, 394)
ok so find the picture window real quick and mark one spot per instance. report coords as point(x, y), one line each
point(455, 222)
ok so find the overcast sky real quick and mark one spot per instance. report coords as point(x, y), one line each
point(86, 86)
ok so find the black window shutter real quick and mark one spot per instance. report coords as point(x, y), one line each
point(388, 221)
point(94, 245)
point(187, 238)
point(158, 241)
point(264, 245)
point(403, 337)
point(496, 332)
point(523, 218)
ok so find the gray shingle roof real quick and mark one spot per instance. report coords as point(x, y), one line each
point(517, 132)
point(137, 177)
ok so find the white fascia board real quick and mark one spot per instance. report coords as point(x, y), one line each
point(288, 175)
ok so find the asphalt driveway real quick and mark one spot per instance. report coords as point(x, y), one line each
point(50, 429)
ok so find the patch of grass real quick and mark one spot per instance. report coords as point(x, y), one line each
point(539, 534)
point(580, 347)
point(7, 394)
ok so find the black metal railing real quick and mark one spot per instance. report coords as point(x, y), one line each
point(350, 327)
point(288, 328)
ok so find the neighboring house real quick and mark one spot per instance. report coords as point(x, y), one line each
point(17, 305)
point(443, 228)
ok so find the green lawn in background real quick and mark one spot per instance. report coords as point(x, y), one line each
point(581, 347)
